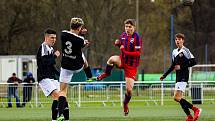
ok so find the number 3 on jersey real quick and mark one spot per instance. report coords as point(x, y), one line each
point(68, 49)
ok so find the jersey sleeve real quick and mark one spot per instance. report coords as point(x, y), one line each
point(138, 45)
point(135, 53)
point(187, 53)
point(171, 68)
point(191, 59)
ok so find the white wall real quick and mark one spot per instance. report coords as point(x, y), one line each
point(14, 64)
point(8, 66)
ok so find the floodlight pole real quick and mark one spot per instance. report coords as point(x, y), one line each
point(137, 15)
point(171, 38)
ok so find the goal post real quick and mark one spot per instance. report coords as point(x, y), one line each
point(202, 72)
point(198, 76)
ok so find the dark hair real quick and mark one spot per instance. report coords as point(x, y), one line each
point(130, 21)
point(14, 74)
point(49, 31)
point(75, 23)
point(179, 35)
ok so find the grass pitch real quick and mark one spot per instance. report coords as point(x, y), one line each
point(138, 112)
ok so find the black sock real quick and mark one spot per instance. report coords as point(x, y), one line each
point(66, 111)
point(54, 110)
point(184, 106)
point(88, 72)
point(127, 99)
point(61, 105)
point(187, 103)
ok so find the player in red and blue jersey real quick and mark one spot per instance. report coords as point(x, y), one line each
point(130, 45)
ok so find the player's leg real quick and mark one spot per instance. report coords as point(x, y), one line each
point(178, 97)
point(65, 78)
point(87, 69)
point(113, 60)
point(49, 89)
point(186, 106)
point(128, 94)
point(130, 77)
point(55, 96)
point(55, 104)
point(66, 112)
point(62, 98)
point(63, 106)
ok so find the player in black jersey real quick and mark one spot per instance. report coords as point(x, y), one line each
point(46, 70)
point(73, 60)
point(182, 59)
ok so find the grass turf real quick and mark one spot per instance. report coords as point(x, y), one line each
point(138, 112)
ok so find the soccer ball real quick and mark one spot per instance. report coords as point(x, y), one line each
point(188, 2)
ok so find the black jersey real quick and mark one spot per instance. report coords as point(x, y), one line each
point(46, 63)
point(185, 59)
point(72, 45)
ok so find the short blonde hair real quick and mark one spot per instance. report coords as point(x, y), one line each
point(76, 23)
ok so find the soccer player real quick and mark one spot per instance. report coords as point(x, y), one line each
point(130, 45)
point(182, 59)
point(46, 70)
point(73, 60)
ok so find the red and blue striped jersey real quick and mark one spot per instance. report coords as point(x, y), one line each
point(130, 54)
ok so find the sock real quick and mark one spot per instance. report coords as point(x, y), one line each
point(127, 99)
point(108, 69)
point(88, 72)
point(187, 103)
point(184, 106)
point(66, 111)
point(54, 109)
point(61, 105)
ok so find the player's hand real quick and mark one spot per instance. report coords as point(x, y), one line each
point(162, 78)
point(121, 47)
point(117, 42)
point(177, 67)
point(86, 42)
point(57, 53)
